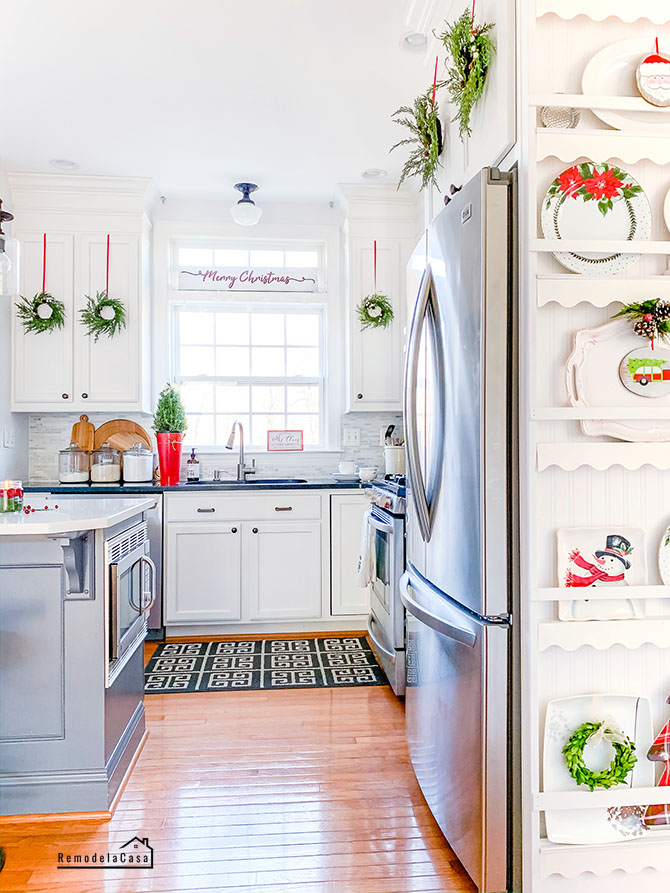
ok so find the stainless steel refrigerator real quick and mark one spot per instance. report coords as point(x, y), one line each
point(459, 584)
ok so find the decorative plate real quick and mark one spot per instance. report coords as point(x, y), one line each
point(646, 372)
point(666, 210)
point(611, 72)
point(598, 825)
point(345, 477)
point(602, 557)
point(664, 557)
point(595, 201)
point(592, 379)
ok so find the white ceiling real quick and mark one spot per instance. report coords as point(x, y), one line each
point(295, 95)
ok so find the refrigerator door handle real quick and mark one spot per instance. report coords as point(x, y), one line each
point(419, 582)
point(417, 487)
point(439, 624)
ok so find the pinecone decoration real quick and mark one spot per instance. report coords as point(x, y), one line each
point(662, 310)
point(646, 327)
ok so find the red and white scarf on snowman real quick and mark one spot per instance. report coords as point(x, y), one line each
point(595, 575)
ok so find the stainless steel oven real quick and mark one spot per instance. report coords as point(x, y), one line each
point(130, 592)
point(386, 624)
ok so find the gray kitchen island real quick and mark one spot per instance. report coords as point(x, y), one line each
point(76, 586)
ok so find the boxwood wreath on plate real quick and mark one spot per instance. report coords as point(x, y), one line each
point(621, 765)
point(423, 122)
point(103, 315)
point(471, 51)
point(41, 313)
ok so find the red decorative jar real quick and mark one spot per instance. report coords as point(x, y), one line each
point(169, 457)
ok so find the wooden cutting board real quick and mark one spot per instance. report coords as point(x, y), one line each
point(83, 433)
point(121, 434)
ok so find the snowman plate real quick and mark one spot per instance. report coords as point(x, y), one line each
point(611, 72)
point(595, 201)
point(602, 824)
point(592, 379)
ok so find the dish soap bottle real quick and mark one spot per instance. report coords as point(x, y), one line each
point(193, 467)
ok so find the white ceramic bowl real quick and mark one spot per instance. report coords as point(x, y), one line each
point(347, 468)
point(368, 473)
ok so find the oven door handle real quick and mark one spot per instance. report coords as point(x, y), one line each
point(144, 559)
point(383, 526)
point(375, 641)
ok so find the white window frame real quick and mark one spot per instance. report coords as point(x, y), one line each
point(251, 380)
point(168, 235)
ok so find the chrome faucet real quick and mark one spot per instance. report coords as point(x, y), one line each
point(242, 469)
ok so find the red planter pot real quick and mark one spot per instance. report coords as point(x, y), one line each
point(169, 457)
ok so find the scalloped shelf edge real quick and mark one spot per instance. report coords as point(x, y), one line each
point(603, 634)
point(629, 147)
point(654, 10)
point(601, 456)
point(570, 291)
point(622, 795)
point(631, 856)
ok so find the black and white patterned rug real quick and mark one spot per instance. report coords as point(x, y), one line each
point(262, 664)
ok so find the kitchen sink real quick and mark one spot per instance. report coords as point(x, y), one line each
point(228, 481)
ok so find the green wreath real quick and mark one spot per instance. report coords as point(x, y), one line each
point(621, 765)
point(103, 315)
point(375, 312)
point(41, 313)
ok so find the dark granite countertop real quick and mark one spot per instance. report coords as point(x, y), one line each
point(228, 485)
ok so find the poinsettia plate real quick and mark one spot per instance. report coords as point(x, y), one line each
point(595, 201)
point(599, 825)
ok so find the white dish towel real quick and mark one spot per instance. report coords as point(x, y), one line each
point(367, 558)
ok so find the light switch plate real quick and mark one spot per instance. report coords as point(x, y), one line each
point(351, 436)
point(9, 437)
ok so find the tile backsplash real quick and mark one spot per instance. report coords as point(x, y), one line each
point(50, 433)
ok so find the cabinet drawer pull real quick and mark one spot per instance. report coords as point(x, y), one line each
point(283, 508)
point(206, 511)
point(254, 529)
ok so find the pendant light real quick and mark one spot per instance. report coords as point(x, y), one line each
point(246, 212)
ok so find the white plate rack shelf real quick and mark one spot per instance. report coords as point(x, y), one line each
point(569, 289)
point(652, 850)
point(601, 456)
point(602, 145)
point(654, 10)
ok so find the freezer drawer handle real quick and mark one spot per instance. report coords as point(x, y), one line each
point(432, 620)
point(375, 641)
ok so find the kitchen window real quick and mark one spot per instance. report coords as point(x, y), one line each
point(260, 363)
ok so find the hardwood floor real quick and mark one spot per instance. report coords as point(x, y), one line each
point(307, 791)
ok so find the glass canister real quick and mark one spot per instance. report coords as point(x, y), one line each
point(11, 496)
point(73, 465)
point(105, 465)
point(138, 464)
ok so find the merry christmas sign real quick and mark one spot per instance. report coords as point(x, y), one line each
point(258, 279)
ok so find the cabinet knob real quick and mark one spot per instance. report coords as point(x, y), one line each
point(254, 529)
point(65, 396)
point(85, 396)
point(359, 396)
point(233, 529)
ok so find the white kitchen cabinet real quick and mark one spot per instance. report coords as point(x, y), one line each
point(42, 364)
point(204, 580)
point(346, 523)
point(68, 369)
point(282, 570)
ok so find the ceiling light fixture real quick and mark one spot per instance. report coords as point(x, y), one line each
point(414, 41)
point(374, 173)
point(63, 164)
point(246, 212)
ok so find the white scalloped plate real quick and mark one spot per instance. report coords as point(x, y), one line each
point(611, 72)
point(564, 715)
point(592, 379)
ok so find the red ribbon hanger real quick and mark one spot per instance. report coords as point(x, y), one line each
point(44, 265)
point(107, 271)
point(375, 264)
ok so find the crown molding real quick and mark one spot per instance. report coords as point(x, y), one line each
point(74, 192)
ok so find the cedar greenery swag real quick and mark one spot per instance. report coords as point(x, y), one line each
point(471, 51)
point(423, 122)
point(103, 315)
point(41, 313)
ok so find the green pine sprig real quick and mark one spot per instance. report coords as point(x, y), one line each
point(96, 324)
point(170, 416)
point(26, 310)
point(423, 122)
point(621, 765)
point(471, 52)
point(369, 320)
point(639, 310)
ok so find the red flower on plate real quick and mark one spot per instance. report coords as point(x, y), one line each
point(570, 181)
point(604, 185)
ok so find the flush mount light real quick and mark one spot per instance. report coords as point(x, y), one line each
point(63, 164)
point(246, 212)
point(414, 41)
point(374, 173)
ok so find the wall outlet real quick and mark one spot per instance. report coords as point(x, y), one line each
point(9, 436)
point(351, 437)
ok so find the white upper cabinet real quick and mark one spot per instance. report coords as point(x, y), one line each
point(68, 368)
point(375, 355)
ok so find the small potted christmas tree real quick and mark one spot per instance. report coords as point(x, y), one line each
point(169, 425)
